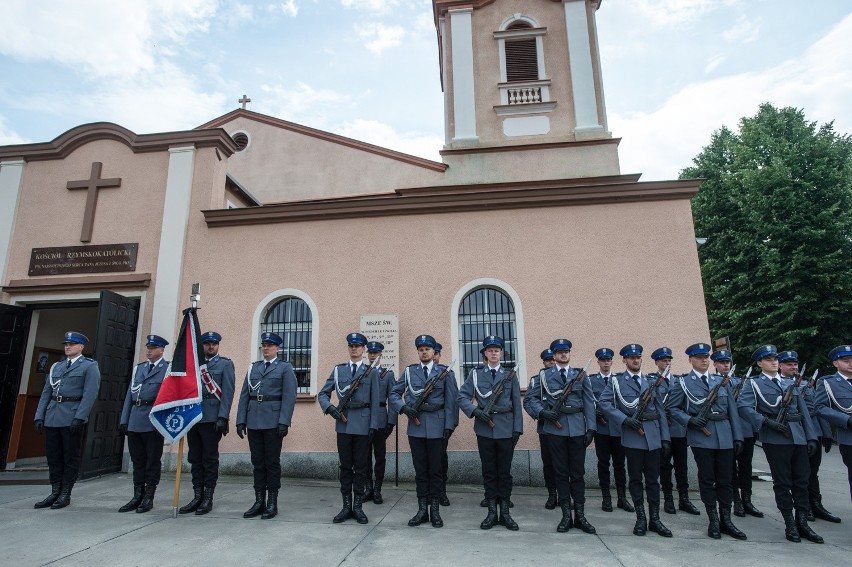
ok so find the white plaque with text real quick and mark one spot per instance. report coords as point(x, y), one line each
point(385, 329)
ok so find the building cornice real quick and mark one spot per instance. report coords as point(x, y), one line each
point(64, 284)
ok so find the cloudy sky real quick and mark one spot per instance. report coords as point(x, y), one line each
point(674, 70)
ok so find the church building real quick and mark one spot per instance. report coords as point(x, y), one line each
point(527, 228)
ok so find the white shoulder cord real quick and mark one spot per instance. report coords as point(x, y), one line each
point(846, 410)
point(689, 396)
point(340, 392)
point(759, 393)
point(408, 383)
point(54, 384)
point(476, 387)
point(544, 384)
point(252, 387)
point(616, 388)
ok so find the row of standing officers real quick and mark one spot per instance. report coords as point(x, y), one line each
point(641, 423)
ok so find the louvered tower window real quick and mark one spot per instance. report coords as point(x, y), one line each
point(521, 56)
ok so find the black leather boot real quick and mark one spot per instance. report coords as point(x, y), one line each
point(685, 505)
point(728, 527)
point(435, 513)
point(259, 504)
point(640, 528)
point(358, 511)
point(821, 513)
point(422, 515)
point(809, 514)
point(552, 499)
point(271, 506)
point(147, 499)
point(491, 518)
point(623, 502)
point(565, 524)
point(750, 508)
point(805, 530)
point(506, 517)
point(483, 503)
point(606, 502)
point(206, 504)
point(444, 500)
point(138, 490)
point(345, 512)
point(192, 506)
point(377, 493)
point(64, 498)
point(739, 511)
point(713, 528)
point(654, 523)
point(791, 532)
point(580, 520)
point(368, 492)
point(55, 489)
point(668, 503)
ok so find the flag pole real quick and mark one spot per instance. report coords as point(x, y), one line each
point(177, 479)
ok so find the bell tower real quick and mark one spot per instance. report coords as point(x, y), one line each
point(524, 75)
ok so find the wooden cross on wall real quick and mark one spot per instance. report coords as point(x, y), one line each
point(92, 185)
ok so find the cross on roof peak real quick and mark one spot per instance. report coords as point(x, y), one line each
point(244, 101)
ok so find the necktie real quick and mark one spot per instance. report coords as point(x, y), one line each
point(354, 370)
point(266, 365)
point(426, 371)
point(606, 380)
point(493, 374)
point(564, 376)
point(704, 377)
point(636, 379)
point(150, 367)
point(67, 364)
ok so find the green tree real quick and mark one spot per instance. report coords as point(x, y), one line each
point(776, 209)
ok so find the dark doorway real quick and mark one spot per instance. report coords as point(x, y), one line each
point(13, 340)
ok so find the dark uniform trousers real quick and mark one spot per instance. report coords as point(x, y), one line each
point(741, 479)
point(63, 450)
point(496, 456)
point(203, 454)
point(428, 474)
point(790, 472)
point(569, 460)
point(445, 462)
point(814, 461)
point(265, 446)
point(641, 462)
point(378, 449)
point(146, 453)
point(846, 454)
point(679, 457)
point(715, 470)
point(547, 463)
point(608, 447)
point(354, 461)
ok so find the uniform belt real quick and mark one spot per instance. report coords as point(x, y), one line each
point(431, 407)
point(718, 417)
point(649, 416)
point(383, 404)
point(143, 402)
point(794, 418)
point(208, 396)
point(503, 409)
point(357, 405)
point(568, 410)
point(60, 398)
point(262, 398)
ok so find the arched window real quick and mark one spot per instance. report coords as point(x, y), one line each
point(291, 319)
point(482, 312)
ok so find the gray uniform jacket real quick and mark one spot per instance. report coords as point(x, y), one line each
point(822, 427)
point(656, 430)
point(279, 381)
point(599, 383)
point(134, 416)
point(539, 425)
point(676, 430)
point(577, 414)
point(221, 369)
point(723, 422)
point(746, 426)
point(761, 399)
point(81, 380)
point(834, 404)
point(444, 396)
point(507, 414)
point(386, 383)
point(364, 412)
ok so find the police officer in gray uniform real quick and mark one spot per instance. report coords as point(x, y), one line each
point(203, 439)
point(546, 459)
point(69, 392)
point(714, 439)
point(643, 437)
point(497, 432)
point(570, 428)
point(387, 421)
point(834, 403)
point(356, 425)
point(788, 366)
point(677, 459)
point(265, 413)
point(760, 402)
point(144, 443)
point(438, 417)
point(608, 439)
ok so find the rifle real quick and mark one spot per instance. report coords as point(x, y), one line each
point(566, 391)
point(427, 389)
point(738, 388)
point(787, 400)
point(353, 387)
point(711, 397)
point(495, 393)
point(648, 395)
